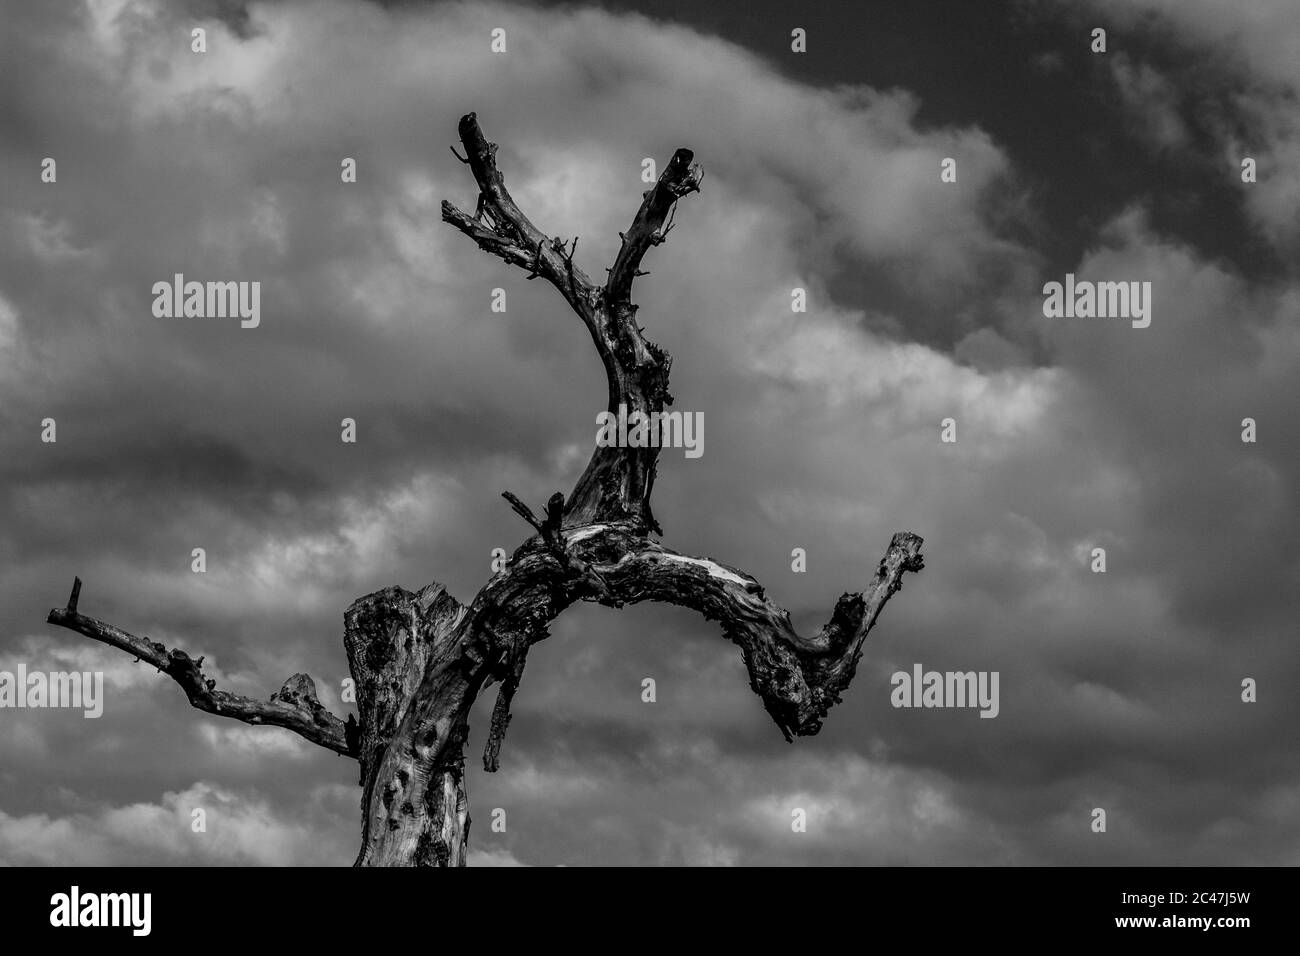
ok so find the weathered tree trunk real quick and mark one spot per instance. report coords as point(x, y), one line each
point(392, 636)
point(419, 660)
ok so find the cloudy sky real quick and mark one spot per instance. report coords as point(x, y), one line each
point(1119, 690)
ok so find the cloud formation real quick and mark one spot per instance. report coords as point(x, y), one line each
point(1119, 690)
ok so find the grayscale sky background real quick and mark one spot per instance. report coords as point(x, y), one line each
point(1119, 690)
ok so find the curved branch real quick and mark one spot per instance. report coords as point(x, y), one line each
point(294, 706)
point(799, 678)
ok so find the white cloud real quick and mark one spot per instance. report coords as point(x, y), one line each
point(227, 740)
point(492, 858)
point(242, 830)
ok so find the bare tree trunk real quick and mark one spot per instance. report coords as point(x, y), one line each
point(419, 660)
point(391, 638)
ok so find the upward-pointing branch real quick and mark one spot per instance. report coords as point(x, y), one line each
point(680, 178)
point(500, 227)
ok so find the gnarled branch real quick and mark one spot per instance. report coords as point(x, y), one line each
point(799, 678)
point(294, 706)
point(510, 234)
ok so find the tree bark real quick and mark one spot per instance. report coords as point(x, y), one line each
point(419, 660)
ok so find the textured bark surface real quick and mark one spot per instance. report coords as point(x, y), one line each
point(420, 659)
point(390, 637)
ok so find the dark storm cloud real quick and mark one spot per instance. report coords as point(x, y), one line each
point(1118, 690)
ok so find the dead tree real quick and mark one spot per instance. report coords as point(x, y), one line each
point(419, 659)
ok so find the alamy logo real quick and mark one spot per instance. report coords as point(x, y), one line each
point(208, 300)
point(656, 430)
point(103, 909)
point(73, 689)
point(1102, 300)
point(946, 689)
